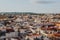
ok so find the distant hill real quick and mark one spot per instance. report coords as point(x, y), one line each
point(15, 13)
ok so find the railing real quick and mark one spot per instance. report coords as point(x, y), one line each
point(10, 35)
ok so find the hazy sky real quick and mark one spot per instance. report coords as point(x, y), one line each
point(40, 6)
